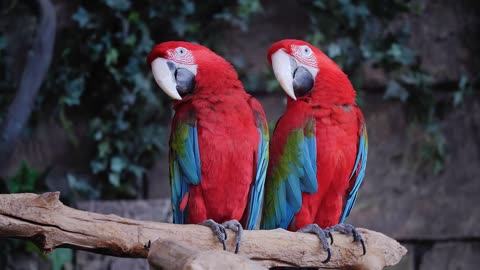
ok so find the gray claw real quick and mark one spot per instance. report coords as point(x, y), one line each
point(218, 230)
point(322, 235)
point(235, 226)
point(349, 229)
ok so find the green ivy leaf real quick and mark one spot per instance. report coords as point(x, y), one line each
point(24, 180)
point(395, 90)
point(3, 42)
point(83, 187)
point(103, 149)
point(457, 98)
point(74, 89)
point(82, 17)
point(114, 179)
point(120, 5)
point(61, 257)
point(136, 170)
point(117, 164)
point(111, 57)
point(97, 166)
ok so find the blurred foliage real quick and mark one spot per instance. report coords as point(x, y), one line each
point(61, 258)
point(11, 247)
point(464, 90)
point(27, 179)
point(30, 180)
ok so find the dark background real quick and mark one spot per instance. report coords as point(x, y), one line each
point(96, 126)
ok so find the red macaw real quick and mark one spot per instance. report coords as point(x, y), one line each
point(318, 151)
point(218, 142)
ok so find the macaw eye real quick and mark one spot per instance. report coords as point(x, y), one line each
point(306, 51)
point(181, 50)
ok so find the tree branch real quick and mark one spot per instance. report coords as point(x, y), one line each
point(46, 221)
point(36, 67)
point(165, 254)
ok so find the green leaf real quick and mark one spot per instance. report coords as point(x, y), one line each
point(395, 90)
point(462, 83)
point(74, 89)
point(117, 164)
point(83, 187)
point(136, 170)
point(457, 98)
point(32, 248)
point(103, 149)
point(82, 17)
point(97, 166)
point(24, 180)
point(319, 3)
point(114, 179)
point(401, 54)
point(120, 5)
point(111, 57)
point(61, 257)
point(131, 40)
point(3, 42)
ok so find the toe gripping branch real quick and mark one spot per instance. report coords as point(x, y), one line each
point(322, 235)
point(349, 229)
point(220, 231)
point(235, 226)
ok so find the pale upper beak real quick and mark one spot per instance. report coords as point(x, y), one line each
point(282, 69)
point(173, 78)
point(295, 78)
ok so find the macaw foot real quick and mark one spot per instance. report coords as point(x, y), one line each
point(322, 235)
point(348, 229)
point(218, 230)
point(235, 226)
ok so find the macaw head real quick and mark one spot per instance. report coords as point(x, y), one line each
point(304, 72)
point(183, 68)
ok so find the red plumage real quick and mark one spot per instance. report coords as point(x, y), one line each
point(228, 139)
point(338, 124)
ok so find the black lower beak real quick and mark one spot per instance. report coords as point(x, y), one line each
point(185, 81)
point(302, 81)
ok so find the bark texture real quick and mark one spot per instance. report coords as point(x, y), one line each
point(46, 221)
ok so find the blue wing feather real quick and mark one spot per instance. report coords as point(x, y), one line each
point(258, 186)
point(357, 174)
point(184, 168)
point(299, 177)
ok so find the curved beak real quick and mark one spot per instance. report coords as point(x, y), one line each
point(283, 70)
point(163, 71)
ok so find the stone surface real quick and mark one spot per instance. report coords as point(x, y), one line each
point(147, 210)
point(278, 21)
point(452, 256)
point(401, 197)
point(445, 34)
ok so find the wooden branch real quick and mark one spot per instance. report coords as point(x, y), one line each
point(166, 254)
point(36, 67)
point(46, 221)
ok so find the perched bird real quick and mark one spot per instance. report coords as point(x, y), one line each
point(219, 139)
point(318, 151)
